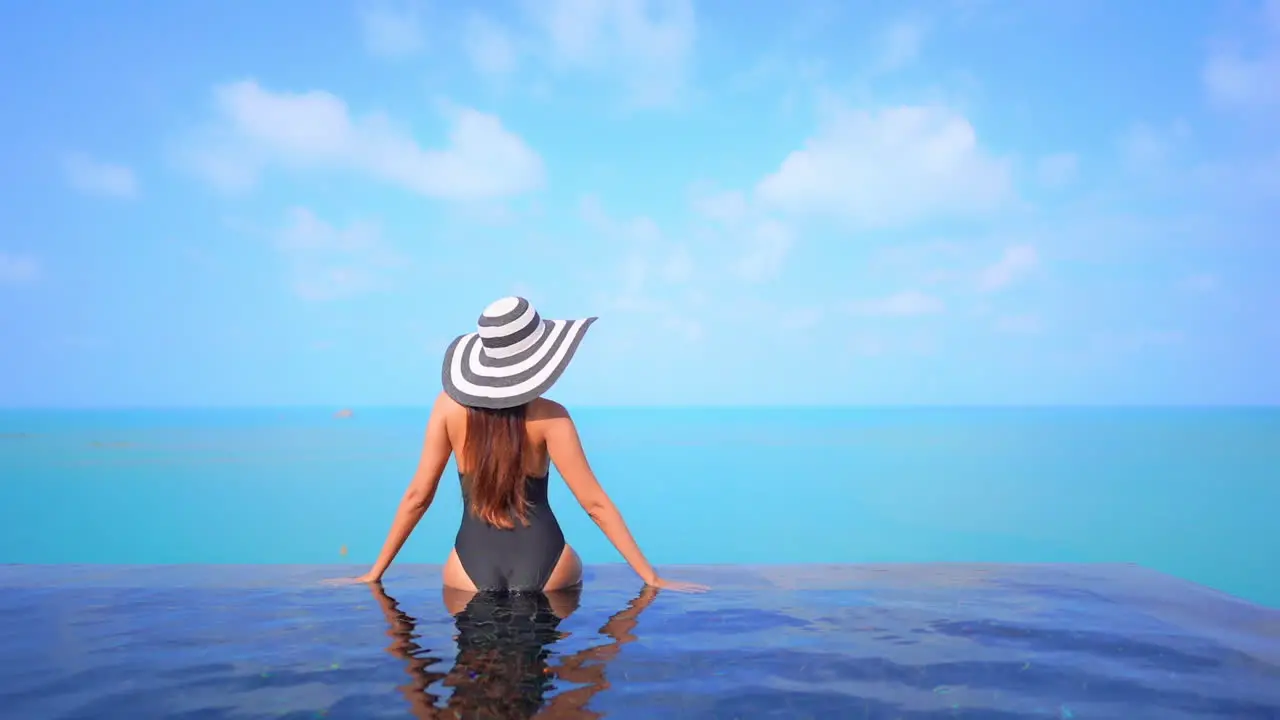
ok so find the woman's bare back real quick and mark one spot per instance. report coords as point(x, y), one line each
point(538, 412)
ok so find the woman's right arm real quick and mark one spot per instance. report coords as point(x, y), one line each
point(565, 449)
point(421, 491)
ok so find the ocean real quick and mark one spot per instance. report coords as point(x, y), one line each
point(1193, 493)
point(871, 563)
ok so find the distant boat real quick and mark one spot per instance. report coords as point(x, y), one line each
point(344, 413)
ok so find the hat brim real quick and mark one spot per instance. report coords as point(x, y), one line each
point(475, 379)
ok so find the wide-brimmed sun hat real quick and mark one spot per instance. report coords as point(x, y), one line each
point(513, 357)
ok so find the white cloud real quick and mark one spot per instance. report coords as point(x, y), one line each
point(889, 167)
point(326, 262)
point(1136, 341)
point(866, 346)
point(1147, 148)
point(678, 267)
point(649, 254)
point(728, 207)
point(900, 44)
point(646, 279)
point(646, 42)
point(1016, 262)
point(688, 328)
point(903, 304)
point(92, 177)
point(489, 46)
point(1236, 81)
point(768, 244)
point(392, 30)
point(1202, 282)
point(639, 230)
point(803, 318)
point(1248, 79)
point(1025, 324)
point(18, 269)
point(630, 292)
point(257, 128)
point(653, 272)
point(927, 261)
point(1058, 169)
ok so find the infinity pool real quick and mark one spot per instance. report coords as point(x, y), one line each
point(875, 641)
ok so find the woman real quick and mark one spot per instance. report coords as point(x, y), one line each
point(505, 436)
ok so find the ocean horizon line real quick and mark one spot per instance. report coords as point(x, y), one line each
point(338, 407)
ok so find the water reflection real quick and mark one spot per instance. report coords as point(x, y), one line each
point(504, 666)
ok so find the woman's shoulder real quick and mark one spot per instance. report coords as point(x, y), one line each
point(547, 419)
point(446, 405)
point(543, 409)
point(452, 414)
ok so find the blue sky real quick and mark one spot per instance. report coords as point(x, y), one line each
point(941, 202)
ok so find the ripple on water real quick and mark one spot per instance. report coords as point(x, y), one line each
point(883, 642)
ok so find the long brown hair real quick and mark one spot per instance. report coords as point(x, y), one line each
point(494, 455)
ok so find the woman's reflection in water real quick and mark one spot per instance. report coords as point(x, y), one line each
point(502, 668)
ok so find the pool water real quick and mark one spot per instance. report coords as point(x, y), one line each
point(816, 641)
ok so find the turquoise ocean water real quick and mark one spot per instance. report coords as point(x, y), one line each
point(1193, 493)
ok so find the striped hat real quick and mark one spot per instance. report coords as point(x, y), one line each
point(513, 357)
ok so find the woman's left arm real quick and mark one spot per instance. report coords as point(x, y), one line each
point(421, 491)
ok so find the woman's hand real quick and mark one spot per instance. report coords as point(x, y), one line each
point(368, 577)
point(677, 586)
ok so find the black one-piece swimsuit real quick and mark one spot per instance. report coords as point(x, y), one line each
point(520, 559)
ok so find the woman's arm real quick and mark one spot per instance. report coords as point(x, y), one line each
point(402, 629)
point(591, 679)
point(421, 491)
point(565, 449)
